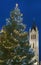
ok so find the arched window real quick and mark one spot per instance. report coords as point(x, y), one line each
point(33, 45)
point(33, 36)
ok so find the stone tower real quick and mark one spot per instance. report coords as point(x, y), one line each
point(34, 41)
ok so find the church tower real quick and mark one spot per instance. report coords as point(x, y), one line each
point(34, 41)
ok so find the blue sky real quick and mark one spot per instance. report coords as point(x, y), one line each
point(30, 9)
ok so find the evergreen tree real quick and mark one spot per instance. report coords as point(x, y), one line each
point(15, 48)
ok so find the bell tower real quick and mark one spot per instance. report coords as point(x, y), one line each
point(34, 41)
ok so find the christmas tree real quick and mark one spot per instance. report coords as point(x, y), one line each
point(14, 45)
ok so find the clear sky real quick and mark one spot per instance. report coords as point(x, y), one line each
point(30, 9)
